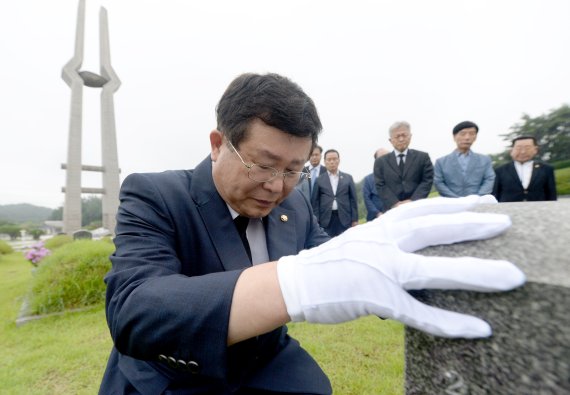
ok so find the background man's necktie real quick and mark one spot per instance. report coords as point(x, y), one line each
point(401, 163)
point(241, 225)
point(313, 177)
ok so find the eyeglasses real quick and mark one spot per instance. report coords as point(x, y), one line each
point(260, 173)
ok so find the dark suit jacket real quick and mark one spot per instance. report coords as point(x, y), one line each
point(371, 199)
point(414, 184)
point(178, 257)
point(323, 197)
point(305, 185)
point(508, 187)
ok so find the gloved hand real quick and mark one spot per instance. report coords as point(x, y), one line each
point(368, 269)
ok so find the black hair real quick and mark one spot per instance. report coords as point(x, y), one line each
point(271, 98)
point(464, 125)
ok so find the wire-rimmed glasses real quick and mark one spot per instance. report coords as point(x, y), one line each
point(261, 173)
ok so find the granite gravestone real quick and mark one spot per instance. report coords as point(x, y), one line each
point(82, 234)
point(529, 351)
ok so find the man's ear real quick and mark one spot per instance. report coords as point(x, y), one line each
point(216, 138)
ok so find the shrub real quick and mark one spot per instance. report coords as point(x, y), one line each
point(562, 164)
point(72, 277)
point(57, 241)
point(36, 233)
point(5, 248)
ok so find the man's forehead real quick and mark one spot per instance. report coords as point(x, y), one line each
point(401, 129)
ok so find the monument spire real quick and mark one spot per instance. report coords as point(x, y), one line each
point(109, 82)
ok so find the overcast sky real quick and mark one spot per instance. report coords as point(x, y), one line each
point(366, 64)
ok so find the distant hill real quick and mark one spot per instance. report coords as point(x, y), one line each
point(24, 212)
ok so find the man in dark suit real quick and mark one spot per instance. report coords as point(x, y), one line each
point(179, 302)
point(405, 174)
point(334, 197)
point(307, 186)
point(211, 263)
point(374, 207)
point(524, 178)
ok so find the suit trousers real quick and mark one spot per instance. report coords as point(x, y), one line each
point(335, 227)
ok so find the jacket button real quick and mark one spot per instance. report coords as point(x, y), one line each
point(162, 358)
point(193, 367)
point(172, 362)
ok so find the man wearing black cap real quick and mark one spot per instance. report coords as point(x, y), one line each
point(464, 172)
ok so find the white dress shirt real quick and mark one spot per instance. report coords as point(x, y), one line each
point(524, 170)
point(334, 182)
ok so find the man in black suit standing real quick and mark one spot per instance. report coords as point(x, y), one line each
point(405, 174)
point(524, 179)
point(306, 186)
point(334, 197)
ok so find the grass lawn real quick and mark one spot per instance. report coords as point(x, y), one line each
point(67, 354)
point(562, 181)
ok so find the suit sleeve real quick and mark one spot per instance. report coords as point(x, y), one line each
point(424, 187)
point(497, 184)
point(439, 180)
point(488, 178)
point(353, 200)
point(387, 196)
point(551, 185)
point(152, 308)
point(315, 199)
point(367, 187)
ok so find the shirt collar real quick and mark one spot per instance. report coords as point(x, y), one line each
point(459, 153)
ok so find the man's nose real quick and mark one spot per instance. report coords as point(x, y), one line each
point(276, 184)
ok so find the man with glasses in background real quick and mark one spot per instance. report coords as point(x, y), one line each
point(211, 263)
point(404, 175)
point(524, 178)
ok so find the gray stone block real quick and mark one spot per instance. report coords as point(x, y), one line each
point(529, 351)
point(82, 234)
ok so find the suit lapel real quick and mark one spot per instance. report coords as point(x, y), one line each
point(536, 169)
point(391, 159)
point(326, 182)
point(409, 161)
point(341, 182)
point(217, 219)
point(514, 175)
point(472, 164)
point(281, 233)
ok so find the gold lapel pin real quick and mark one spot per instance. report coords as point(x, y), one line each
point(284, 218)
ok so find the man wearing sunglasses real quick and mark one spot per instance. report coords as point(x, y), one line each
point(211, 263)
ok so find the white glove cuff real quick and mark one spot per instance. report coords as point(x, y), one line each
point(287, 274)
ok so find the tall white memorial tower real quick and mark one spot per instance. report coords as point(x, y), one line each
point(108, 81)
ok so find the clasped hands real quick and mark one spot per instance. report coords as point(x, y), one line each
point(368, 269)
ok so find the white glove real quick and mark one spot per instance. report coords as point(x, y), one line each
point(367, 269)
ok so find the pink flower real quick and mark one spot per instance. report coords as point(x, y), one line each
point(37, 253)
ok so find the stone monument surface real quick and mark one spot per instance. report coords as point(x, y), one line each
point(529, 351)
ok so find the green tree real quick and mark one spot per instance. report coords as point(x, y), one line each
point(11, 230)
point(36, 233)
point(91, 210)
point(57, 214)
point(551, 130)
